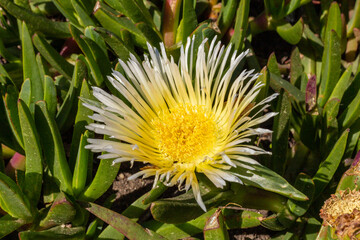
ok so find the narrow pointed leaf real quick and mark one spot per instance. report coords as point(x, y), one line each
point(12, 200)
point(123, 224)
point(36, 22)
point(227, 15)
point(276, 82)
point(306, 185)
point(81, 166)
point(54, 152)
point(328, 167)
point(330, 70)
point(33, 152)
point(30, 67)
point(12, 113)
point(188, 21)
point(67, 112)
point(50, 95)
point(241, 24)
point(52, 56)
point(25, 92)
point(261, 177)
point(280, 133)
point(84, 19)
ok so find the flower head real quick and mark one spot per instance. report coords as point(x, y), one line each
point(186, 118)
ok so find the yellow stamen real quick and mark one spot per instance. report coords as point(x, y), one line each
point(186, 134)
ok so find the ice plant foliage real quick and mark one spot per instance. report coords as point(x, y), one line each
point(186, 118)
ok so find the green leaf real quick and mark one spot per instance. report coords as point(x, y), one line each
point(188, 21)
point(241, 24)
point(60, 212)
point(67, 112)
point(92, 34)
point(9, 224)
point(120, 49)
point(152, 36)
point(84, 19)
point(352, 110)
point(25, 92)
point(135, 10)
point(281, 133)
point(291, 34)
point(30, 67)
point(33, 152)
point(354, 21)
point(296, 68)
point(117, 24)
point(327, 168)
point(123, 224)
point(272, 223)
point(12, 200)
point(50, 95)
point(36, 22)
point(54, 152)
point(330, 70)
point(105, 175)
point(333, 21)
point(306, 185)
point(81, 166)
point(227, 15)
point(261, 177)
point(6, 135)
point(264, 78)
point(215, 227)
point(276, 83)
point(58, 232)
point(12, 114)
point(82, 119)
point(90, 60)
point(52, 56)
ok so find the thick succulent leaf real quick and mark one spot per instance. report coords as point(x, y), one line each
point(52, 56)
point(241, 24)
point(328, 168)
point(67, 112)
point(30, 68)
point(272, 223)
point(215, 227)
point(116, 24)
point(84, 19)
point(291, 34)
point(259, 176)
point(135, 210)
point(58, 232)
point(9, 224)
point(330, 70)
point(264, 79)
point(50, 95)
point(306, 185)
point(82, 119)
point(25, 92)
point(120, 49)
point(81, 166)
point(54, 152)
point(123, 224)
point(227, 15)
point(280, 133)
point(104, 177)
point(135, 10)
point(36, 22)
point(276, 83)
point(152, 36)
point(6, 134)
point(166, 210)
point(354, 21)
point(12, 200)
point(188, 21)
point(90, 60)
point(12, 113)
point(33, 152)
point(60, 212)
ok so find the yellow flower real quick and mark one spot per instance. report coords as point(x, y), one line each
point(185, 118)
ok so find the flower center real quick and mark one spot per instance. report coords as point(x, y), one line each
point(186, 134)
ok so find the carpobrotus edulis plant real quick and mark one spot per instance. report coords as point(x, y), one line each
point(186, 118)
